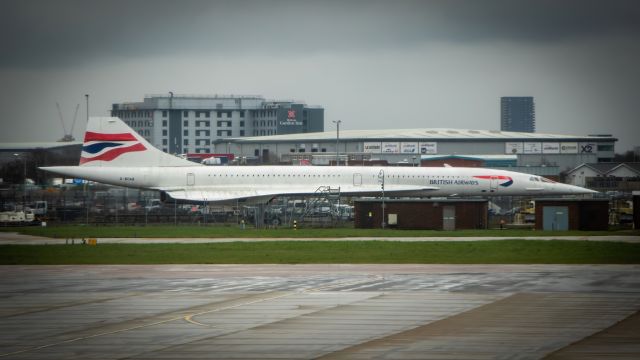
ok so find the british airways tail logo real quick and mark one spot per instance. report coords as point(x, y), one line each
point(106, 147)
point(502, 179)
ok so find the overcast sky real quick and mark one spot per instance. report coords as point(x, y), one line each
point(372, 64)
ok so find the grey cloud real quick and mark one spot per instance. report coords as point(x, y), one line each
point(54, 33)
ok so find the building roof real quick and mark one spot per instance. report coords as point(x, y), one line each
point(607, 167)
point(423, 134)
point(634, 166)
point(28, 146)
point(471, 157)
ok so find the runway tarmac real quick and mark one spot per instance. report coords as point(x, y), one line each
point(320, 311)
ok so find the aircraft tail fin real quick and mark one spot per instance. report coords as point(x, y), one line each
point(109, 142)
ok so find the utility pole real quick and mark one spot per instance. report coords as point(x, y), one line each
point(24, 174)
point(337, 122)
point(381, 182)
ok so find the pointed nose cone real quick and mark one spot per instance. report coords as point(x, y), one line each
point(581, 191)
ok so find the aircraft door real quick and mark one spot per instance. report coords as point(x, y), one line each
point(357, 179)
point(493, 183)
point(191, 179)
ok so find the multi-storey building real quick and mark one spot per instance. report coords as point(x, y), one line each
point(184, 124)
point(517, 113)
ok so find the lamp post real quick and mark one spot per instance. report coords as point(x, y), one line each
point(381, 182)
point(86, 96)
point(24, 174)
point(337, 122)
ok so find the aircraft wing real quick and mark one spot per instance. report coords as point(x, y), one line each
point(264, 194)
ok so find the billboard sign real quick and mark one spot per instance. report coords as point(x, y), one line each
point(372, 147)
point(513, 148)
point(551, 148)
point(568, 148)
point(587, 148)
point(532, 148)
point(390, 147)
point(428, 148)
point(409, 148)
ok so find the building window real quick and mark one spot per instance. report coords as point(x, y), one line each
point(185, 142)
point(242, 123)
point(228, 114)
point(185, 123)
point(241, 132)
point(605, 147)
point(164, 113)
point(185, 113)
point(241, 113)
point(165, 142)
point(164, 123)
point(206, 114)
point(197, 114)
point(185, 133)
point(219, 114)
point(164, 132)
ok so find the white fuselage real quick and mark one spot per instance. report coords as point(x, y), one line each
point(351, 180)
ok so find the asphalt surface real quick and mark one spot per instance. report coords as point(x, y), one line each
point(320, 311)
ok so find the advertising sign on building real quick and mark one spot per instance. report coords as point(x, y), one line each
point(513, 148)
point(551, 148)
point(428, 148)
point(587, 148)
point(372, 147)
point(409, 148)
point(568, 148)
point(532, 148)
point(288, 120)
point(390, 147)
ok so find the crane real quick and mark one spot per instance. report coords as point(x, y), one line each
point(68, 136)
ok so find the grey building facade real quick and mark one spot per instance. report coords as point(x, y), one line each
point(546, 154)
point(517, 113)
point(194, 124)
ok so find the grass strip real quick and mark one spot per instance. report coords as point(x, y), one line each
point(194, 231)
point(341, 252)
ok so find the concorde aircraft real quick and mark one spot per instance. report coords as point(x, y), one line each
point(115, 154)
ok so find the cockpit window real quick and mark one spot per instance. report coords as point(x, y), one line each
point(546, 180)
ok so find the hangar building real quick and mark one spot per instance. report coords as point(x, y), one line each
point(538, 153)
